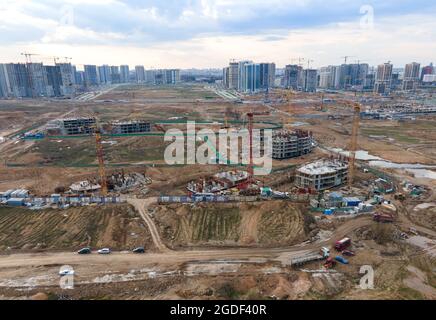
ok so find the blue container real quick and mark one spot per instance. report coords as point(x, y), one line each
point(15, 202)
point(351, 201)
point(328, 212)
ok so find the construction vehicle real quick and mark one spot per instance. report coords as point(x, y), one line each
point(323, 254)
point(383, 217)
point(342, 244)
point(400, 196)
point(329, 263)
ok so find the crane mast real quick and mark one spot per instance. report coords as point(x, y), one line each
point(100, 158)
point(353, 144)
point(250, 117)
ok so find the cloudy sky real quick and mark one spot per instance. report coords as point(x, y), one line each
point(208, 33)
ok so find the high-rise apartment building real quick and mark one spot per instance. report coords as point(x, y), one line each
point(267, 75)
point(115, 74)
point(124, 74)
point(233, 76)
point(140, 74)
point(310, 80)
point(411, 76)
point(327, 77)
point(38, 80)
point(5, 91)
point(91, 76)
point(104, 74)
point(293, 76)
point(226, 71)
point(19, 80)
point(68, 79)
point(166, 76)
point(427, 70)
point(241, 75)
point(56, 87)
point(383, 78)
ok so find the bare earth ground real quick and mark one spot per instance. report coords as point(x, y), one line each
point(207, 251)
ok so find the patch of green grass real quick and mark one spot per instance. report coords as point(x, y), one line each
point(399, 134)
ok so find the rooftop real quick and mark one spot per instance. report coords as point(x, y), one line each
point(323, 167)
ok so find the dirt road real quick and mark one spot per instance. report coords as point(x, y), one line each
point(141, 205)
point(41, 269)
point(167, 256)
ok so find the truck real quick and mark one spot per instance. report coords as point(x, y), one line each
point(342, 244)
point(383, 217)
point(329, 263)
point(323, 254)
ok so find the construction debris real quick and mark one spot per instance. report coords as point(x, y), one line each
point(218, 183)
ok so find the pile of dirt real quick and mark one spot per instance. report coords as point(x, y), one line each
point(424, 217)
point(117, 227)
point(281, 223)
point(184, 225)
point(266, 223)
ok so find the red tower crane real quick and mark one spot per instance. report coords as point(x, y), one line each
point(250, 116)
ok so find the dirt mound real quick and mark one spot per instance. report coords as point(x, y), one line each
point(280, 223)
point(265, 223)
point(117, 227)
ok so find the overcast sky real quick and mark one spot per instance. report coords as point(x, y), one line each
point(208, 33)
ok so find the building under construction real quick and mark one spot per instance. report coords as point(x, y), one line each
point(289, 144)
point(322, 174)
point(75, 126)
point(219, 182)
point(135, 126)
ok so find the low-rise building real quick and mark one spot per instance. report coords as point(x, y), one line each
point(289, 144)
point(322, 174)
point(126, 127)
point(75, 126)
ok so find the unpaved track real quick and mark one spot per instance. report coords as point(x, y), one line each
point(249, 227)
point(141, 205)
point(166, 257)
point(18, 267)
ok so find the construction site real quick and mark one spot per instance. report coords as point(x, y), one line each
point(346, 189)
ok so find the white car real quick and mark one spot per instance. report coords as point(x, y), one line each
point(104, 251)
point(66, 272)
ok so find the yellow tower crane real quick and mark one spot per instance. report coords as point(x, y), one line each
point(100, 157)
point(285, 116)
point(353, 143)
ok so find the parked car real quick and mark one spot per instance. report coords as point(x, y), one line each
point(341, 260)
point(104, 251)
point(348, 253)
point(84, 251)
point(65, 272)
point(139, 250)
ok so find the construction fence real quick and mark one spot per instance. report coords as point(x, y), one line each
point(230, 198)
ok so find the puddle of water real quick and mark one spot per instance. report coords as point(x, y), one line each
point(423, 206)
point(423, 173)
point(418, 170)
point(360, 154)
